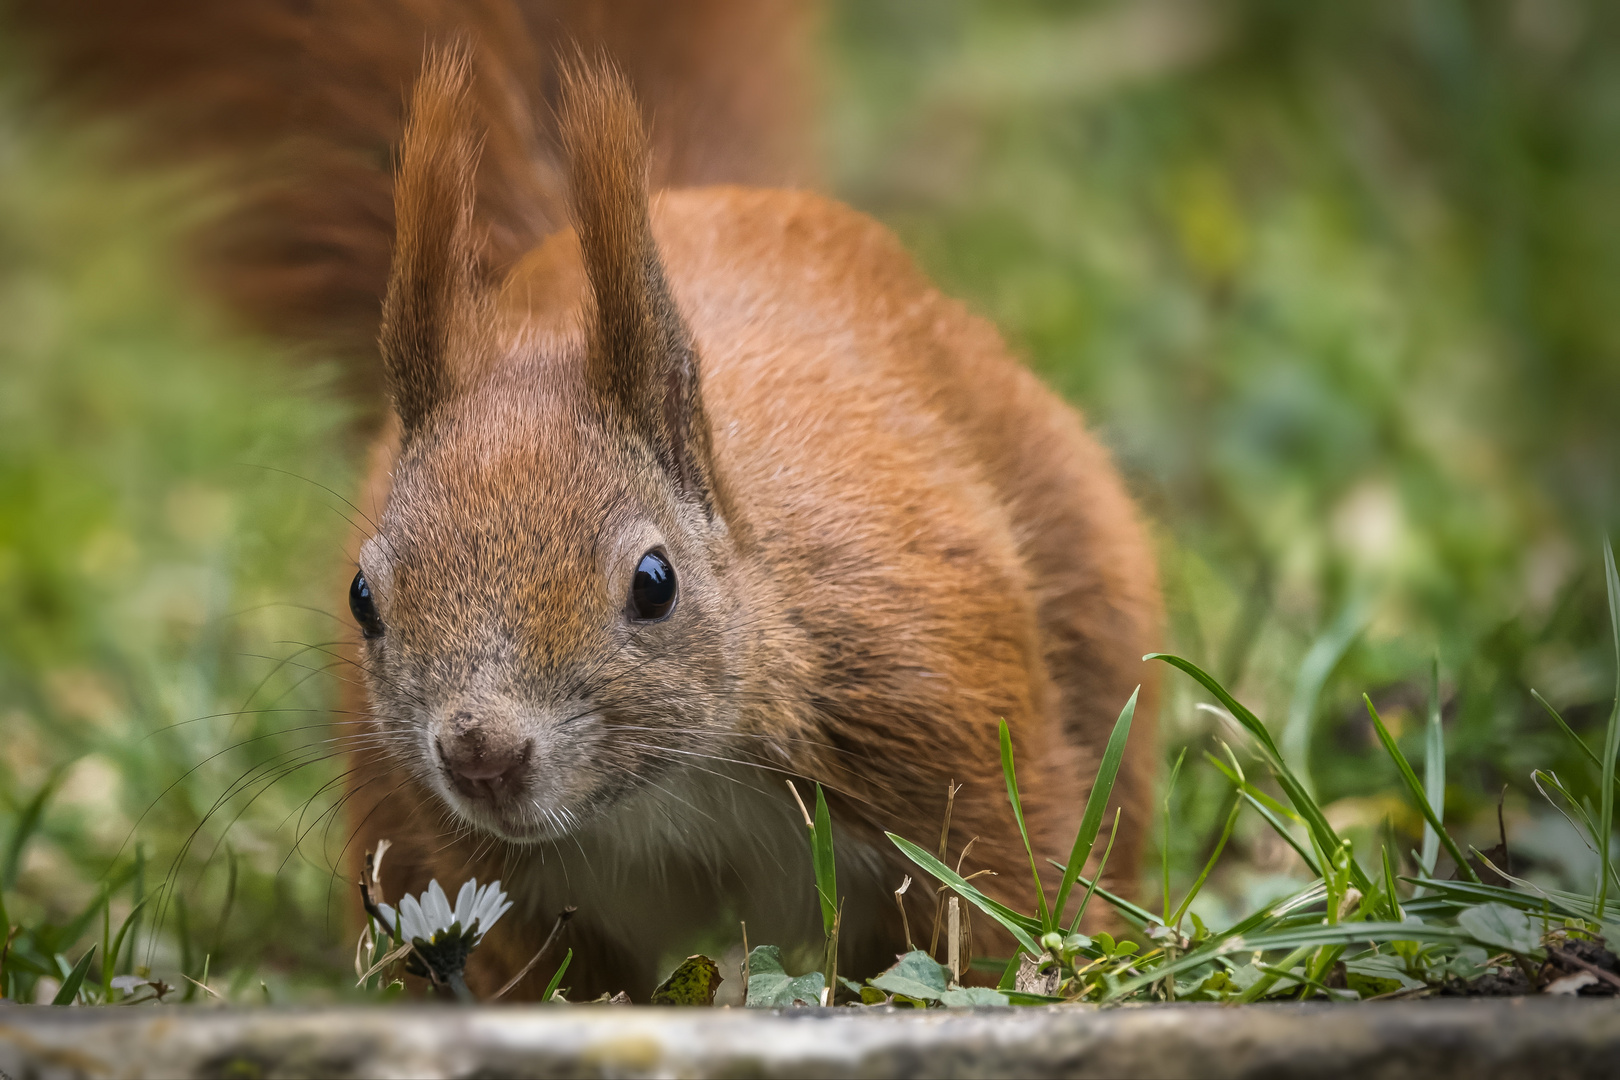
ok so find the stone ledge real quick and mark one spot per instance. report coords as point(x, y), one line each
point(1430, 1039)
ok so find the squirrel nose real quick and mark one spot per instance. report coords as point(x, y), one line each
point(482, 765)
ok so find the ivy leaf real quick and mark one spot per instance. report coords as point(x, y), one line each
point(915, 975)
point(1501, 927)
point(771, 987)
point(693, 983)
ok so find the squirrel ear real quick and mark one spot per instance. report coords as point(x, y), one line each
point(434, 303)
point(641, 366)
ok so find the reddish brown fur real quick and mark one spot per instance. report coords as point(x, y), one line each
point(895, 538)
point(888, 534)
point(299, 104)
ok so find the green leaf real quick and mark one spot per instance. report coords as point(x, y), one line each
point(1466, 963)
point(771, 987)
point(1021, 927)
point(75, 979)
point(1498, 926)
point(1376, 975)
point(916, 974)
point(1416, 789)
point(1011, 777)
point(964, 997)
point(692, 983)
point(1102, 788)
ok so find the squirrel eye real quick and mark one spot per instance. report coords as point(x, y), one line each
point(652, 592)
point(363, 607)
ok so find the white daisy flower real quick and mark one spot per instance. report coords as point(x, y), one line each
point(430, 917)
point(443, 937)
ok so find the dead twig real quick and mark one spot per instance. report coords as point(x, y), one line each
point(556, 928)
point(900, 902)
point(1586, 965)
point(951, 788)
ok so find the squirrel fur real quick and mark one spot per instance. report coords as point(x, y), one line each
point(886, 536)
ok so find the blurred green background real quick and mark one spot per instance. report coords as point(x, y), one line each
point(1338, 283)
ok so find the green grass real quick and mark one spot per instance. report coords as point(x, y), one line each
point(1343, 936)
point(1334, 281)
point(161, 632)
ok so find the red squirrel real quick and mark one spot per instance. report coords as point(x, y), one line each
point(690, 492)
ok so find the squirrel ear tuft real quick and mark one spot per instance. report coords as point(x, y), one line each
point(641, 365)
point(434, 302)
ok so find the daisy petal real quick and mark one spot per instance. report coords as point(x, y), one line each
point(413, 924)
point(466, 903)
point(483, 906)
point(436, 906)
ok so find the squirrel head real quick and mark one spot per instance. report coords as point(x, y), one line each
point(546, 601)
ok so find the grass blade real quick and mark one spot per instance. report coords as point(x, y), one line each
point(1416, 789)
point(74, 980)
point(821, 845)
point(1102, 864)
point(1391, 900)
point(1324, 655)
point(1611, 741)
point(1580, 743)
point(27, 822)
point(109, 958)
point(1466, 893)
point(556, 978)
point(1434, 771)
point(1309, 937)
point(1102, 788)
point(1325, 835)
point(1011, 777)
point(1021, 927)
point(106, 946)
point(1134, 914)
point(1271, 810)
point(1214, 856)
point(1277, 910)
point(138, 895)
point(1164, 848)
point(1538, 777)
point(1272, 974)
